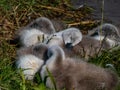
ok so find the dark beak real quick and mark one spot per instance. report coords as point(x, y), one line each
point(69, 45)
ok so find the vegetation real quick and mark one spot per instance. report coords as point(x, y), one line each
point(17, 13)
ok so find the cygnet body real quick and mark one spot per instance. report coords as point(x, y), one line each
point(74, 74)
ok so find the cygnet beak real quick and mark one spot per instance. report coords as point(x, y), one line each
point(69, 45)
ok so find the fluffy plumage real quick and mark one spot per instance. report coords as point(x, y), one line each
point(58, 24)
point(89, 47)
point(43, 24)
point(36, 31)
point(75, 74)
point(31, 59)
point(30, 64)
point(70, 36)
point(77, 45)
point(108, 31)
point(32, 36)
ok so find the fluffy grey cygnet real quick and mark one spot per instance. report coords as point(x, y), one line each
point(30, 59)
point(109, 32)
point(77, 45)
point(36, 31)
point(75, 74)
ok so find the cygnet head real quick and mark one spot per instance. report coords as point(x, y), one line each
point(71, 36)
point(56, 56)
point(68, 37)
point(109, 31)
point(30, 37)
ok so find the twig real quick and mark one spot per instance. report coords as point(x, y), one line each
point(102, 18)
point(14, 13)
point(57, 10)
point(82, 22)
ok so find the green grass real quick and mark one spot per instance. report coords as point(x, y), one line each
point(15, 14)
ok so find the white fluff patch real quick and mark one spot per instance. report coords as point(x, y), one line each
point(31, 37)
point(30, 65)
